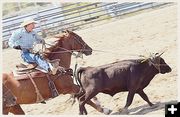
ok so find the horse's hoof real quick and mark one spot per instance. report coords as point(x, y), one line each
point(43, 102)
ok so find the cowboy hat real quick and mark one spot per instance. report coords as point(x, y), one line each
point(27, 21)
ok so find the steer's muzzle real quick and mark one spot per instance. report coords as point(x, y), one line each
point(166, 69)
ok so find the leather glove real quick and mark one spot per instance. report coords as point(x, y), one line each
point(17, 47)
point(42, 41)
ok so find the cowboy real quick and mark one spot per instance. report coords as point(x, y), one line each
point(23, 39)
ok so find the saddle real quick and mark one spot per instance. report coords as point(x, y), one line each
point(33, 71)
point(23, 68)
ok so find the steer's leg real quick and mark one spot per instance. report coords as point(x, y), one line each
point(128, 101)
point(145, 97)
point(89, 94)
point(82, 109)
point(96, 104)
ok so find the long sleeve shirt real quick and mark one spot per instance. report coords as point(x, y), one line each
point(24, 39)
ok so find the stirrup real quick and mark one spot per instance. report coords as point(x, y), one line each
point(25, 67)
point(54, 62)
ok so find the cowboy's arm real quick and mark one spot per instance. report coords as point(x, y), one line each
point(14, 40)
point(39, 39)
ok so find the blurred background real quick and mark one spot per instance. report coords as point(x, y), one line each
point(55, 17)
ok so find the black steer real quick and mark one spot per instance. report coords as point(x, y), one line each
point(127, 75)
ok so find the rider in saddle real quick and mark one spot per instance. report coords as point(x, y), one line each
point(23, 39)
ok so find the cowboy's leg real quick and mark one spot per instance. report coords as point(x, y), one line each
point(41, 62)
point(32, 58)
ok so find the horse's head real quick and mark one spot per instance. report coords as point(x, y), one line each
point(72, 41)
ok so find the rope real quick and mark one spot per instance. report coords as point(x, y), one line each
point(113, 52)
point(39, 96)
point(66, 50)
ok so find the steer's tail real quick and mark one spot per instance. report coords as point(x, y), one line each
point(78, 75)
point(78, 80)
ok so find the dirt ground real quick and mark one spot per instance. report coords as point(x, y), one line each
point(121, 39)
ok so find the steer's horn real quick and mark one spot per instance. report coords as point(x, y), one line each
point(160, 53)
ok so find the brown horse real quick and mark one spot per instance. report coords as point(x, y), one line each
point(25, 92)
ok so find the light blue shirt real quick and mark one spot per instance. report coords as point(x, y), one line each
point(24, 39)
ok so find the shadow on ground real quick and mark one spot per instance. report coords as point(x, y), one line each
point(145, 109)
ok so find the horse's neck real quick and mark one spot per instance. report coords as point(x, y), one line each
point(65, 56)
point(65, 59)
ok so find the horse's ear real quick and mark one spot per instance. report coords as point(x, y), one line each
point(60, 35)
point(67, 30)
point(11, 74)
point(66, 33)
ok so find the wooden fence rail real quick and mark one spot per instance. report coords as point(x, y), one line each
point(73, 16)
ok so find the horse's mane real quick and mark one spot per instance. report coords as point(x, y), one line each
point(55, 47)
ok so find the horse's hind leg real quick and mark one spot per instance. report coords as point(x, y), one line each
point(17, 110)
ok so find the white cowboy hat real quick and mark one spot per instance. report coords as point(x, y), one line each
point(27, 21)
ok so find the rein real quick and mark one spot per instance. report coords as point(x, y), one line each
point(114, 52)
point(66, 50)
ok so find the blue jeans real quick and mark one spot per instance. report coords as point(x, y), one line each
point(35, 58)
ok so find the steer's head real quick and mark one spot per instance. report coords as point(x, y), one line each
point(159, 63)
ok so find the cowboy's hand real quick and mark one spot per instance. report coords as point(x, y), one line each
point(61, 69)
point(17, 47)
point(42, 41)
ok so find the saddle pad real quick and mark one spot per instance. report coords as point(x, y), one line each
point(34, 74)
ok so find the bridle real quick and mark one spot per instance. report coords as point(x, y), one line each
point(76, 38)
point(156, 63)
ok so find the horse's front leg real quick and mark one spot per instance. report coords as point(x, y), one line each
point(16, 110)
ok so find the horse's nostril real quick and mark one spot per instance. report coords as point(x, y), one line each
point(14, 99)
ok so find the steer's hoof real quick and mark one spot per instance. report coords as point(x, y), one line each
point(106, 111)
point(154, 105)
point(124, 111)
